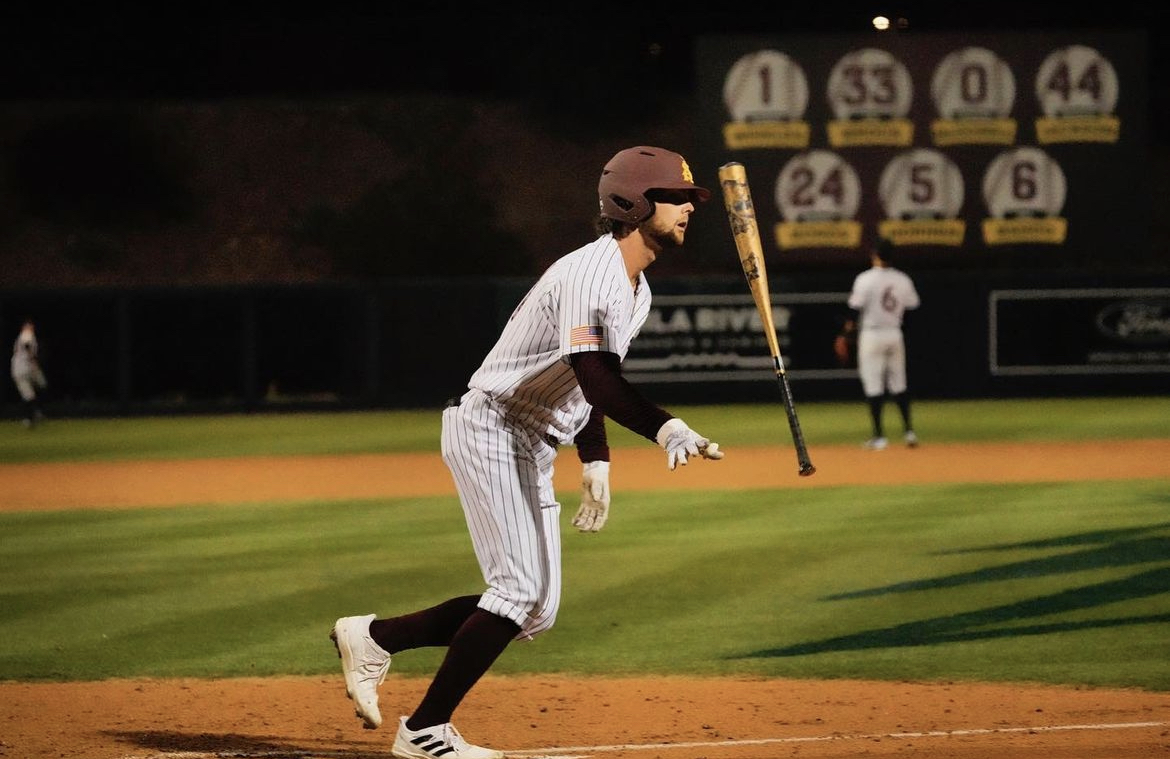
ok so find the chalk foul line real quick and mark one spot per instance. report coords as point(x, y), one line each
point(562, 752)
point(583, 752)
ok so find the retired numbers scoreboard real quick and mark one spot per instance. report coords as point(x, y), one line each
point(1005, 150)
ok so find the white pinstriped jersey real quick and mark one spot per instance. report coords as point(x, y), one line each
point(882, 295)
point(583, 302)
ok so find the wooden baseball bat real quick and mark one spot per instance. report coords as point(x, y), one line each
point(741, 213)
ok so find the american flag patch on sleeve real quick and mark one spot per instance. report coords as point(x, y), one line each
point(589, 335)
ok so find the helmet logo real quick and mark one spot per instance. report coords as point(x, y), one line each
point(687, 176)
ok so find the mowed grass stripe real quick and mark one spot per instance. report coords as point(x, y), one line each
point(1065, 583)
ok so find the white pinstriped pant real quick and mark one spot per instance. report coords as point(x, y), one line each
point(503, 474)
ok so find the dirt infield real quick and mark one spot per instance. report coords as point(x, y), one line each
point(537, 716)
point(136, 484)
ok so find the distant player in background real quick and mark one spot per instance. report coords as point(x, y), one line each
point(27, 374)
point(551, 379)
point(881, 295)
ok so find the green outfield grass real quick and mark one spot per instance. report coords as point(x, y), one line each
point(418, 430)
point(1059, 583)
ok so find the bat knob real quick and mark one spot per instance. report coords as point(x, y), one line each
point(807, 470)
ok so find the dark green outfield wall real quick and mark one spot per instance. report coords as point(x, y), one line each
point(413, 343)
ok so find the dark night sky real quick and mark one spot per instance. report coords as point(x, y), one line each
point(498, 50)
point(578, 68)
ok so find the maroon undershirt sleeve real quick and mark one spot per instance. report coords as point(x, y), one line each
point(592, 442)
point(599, 373)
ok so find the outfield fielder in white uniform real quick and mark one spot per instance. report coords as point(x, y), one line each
point(552, 378)
point(26, 373)
point(882, 294)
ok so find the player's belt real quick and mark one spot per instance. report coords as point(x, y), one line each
point(453, 402)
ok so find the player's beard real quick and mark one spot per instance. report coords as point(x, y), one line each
point(669, 238)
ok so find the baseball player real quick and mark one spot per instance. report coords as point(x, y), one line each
point(551, 379)
point(881, 295)
point(27, 373)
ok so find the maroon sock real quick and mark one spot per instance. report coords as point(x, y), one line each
point(435, 626)
point(875, 414)
point(477, 644)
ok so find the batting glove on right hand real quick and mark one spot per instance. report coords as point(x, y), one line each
point(594, 497)
point(680, 441)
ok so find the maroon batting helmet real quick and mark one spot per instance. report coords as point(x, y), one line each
point(633, 172)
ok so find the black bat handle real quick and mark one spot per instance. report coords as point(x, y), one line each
point(802, 457)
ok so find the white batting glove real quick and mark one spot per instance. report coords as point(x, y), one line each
point(594, 497)
point(680, 441)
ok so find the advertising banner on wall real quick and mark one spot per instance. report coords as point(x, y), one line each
point(1079, 331)
point(701, 338)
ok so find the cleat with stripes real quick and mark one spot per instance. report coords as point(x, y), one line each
point(438, 742)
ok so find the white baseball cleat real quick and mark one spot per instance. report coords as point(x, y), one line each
point(438, 742)
point(364, 664)
point(911, 439)
point(875, 444)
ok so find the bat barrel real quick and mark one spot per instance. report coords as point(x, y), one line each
point(741, 214)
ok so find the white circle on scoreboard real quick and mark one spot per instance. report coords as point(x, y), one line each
point(922, 182)
point(973, 82)
point(817, 185)
point(1024, 182)
point(1076, 81)
point(869, 83)
point(766, 85)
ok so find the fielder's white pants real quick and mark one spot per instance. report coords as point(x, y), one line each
point(881, 361)
point(504, 476)
point(29, 382)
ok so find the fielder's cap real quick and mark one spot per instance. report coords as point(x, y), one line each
point(884, 248)
point(633, 172)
